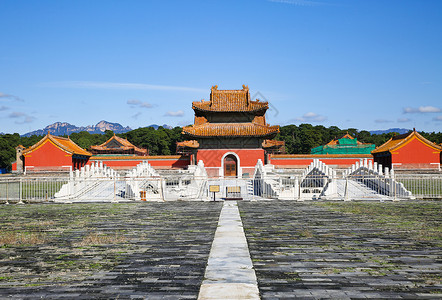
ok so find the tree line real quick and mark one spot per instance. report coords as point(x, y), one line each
point(301, 139)
point(162, 141)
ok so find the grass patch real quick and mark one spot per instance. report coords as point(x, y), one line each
point(97, 239)
point(5, 278)
point(9, 238)
point(306, 233)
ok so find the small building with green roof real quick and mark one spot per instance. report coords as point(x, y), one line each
point(344, 145)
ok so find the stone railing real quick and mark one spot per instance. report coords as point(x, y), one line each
point(374, 176)
point(318, 179)
point(88, 182)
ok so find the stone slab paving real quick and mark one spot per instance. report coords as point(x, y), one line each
point(229, 273)
point(301, 250)
point(157, 251)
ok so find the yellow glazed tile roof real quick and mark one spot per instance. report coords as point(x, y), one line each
point(190, 144)
point(398, 141)
point(335, 141)
point(230, 130)
point(272, 143)
point(230, 101)
point(64, 144)
point(126, 145)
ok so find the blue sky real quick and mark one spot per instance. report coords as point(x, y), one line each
point(352, 64)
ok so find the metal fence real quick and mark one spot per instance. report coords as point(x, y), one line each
point(30, 189)
point(187, 187)
point(422, 186)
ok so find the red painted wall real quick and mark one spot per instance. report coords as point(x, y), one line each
point(213, 157)
point(415, 155)
point(157, 162)
point(48, 156)
point(117, 164)
point(170, 163)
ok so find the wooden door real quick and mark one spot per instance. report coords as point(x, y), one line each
point(230, 166)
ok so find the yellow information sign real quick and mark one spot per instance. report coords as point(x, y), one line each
point(214, 188)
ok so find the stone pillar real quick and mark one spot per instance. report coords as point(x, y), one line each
point(20, 159)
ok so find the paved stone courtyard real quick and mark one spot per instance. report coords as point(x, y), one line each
point(160, 251)
point(108, 251)
point(301, 250)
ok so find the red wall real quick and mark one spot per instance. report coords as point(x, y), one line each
point(247, 157)
point(170, 162)
point(415, 155)
point(117, 164)
point(159, 162)
point(302, 162)
point(48, 156)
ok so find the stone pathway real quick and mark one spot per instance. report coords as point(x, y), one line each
point(229, 273)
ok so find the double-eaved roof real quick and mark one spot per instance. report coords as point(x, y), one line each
point(65, 144)
point(230, 101)
point(401, 140)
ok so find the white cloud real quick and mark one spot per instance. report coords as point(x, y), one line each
point(7, 97)
point(421, 110)
point(178, 113)
point(382, 121)
point(133, 102)
point(21, 117)
point(146, 105)
point(311, 117)
point(403, 120)
point(16, 114)
point(119, 85)
point(438, 118)
point(27, 119)
point(138, 103)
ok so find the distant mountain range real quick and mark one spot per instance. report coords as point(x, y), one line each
point(398, 130)
point(63, 128)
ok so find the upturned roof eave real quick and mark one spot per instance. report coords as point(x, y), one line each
point(386, 148)
point(53, 139)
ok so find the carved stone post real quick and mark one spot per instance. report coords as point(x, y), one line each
point(20, 159)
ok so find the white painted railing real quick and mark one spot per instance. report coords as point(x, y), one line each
point(374, 177)
point(364, 181)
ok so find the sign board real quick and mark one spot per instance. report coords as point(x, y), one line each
point(214, 188)
point(233, 189)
